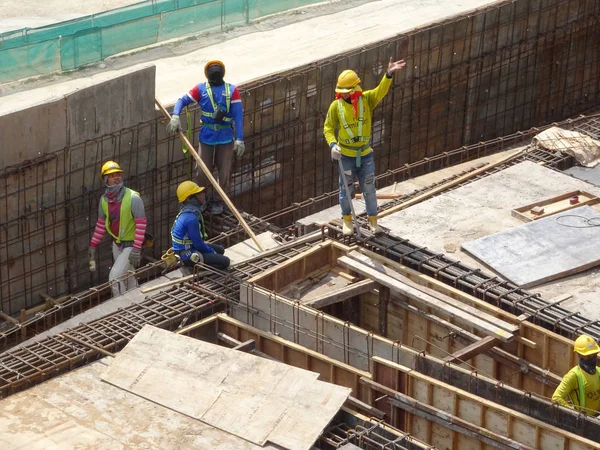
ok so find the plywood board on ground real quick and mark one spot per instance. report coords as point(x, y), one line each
point(273, 402)
point(543, 250)
point(554, 205)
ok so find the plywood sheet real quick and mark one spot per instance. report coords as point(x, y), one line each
point(256, 399)
point(542, 250)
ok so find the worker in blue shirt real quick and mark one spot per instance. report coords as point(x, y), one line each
point(222, 131)
point(188, 233)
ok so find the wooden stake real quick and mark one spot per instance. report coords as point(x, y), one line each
point(212, 180)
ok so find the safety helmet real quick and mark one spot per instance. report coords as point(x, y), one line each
point(347, 81)
point(110, 167)
point(187, 188)
point(586, 345)
point(213, 62)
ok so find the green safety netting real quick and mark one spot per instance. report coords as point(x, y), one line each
point(75, 43)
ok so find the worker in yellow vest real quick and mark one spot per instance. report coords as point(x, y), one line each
point(351, 113)
point(120, 213)
point(580, 387)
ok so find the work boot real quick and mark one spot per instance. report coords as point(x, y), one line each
point(347, 228)
point(216, 208)
point(373, 225)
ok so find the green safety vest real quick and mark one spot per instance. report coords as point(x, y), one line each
point(203, 232)
point(359, 137)
point(581, 388)
point(212, 115)
point(126, 221)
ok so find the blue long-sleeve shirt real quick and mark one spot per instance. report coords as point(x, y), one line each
point(208, 135)
point(187, 228)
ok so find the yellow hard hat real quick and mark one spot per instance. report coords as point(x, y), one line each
point(586, 345)
point(110, 167)
point(212, 62)
point(347, 81)
point(187, 188)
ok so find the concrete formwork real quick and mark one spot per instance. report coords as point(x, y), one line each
point(469, 78)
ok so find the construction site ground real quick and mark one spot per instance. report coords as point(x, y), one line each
point(249, 52)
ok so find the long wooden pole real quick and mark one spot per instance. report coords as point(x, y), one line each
point(208, 174)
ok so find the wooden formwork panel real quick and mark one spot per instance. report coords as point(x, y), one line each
point(487, 415)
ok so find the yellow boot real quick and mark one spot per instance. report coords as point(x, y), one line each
point(347, 228)
point(373, 225)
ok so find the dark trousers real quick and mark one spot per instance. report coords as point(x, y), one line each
point(217, 260)
point(218, 156)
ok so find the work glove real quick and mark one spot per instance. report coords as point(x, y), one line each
point(239, 147)
point(92, 258)
point(336, 152)
point(135, 257)
point(174, 124)
point(197, 258)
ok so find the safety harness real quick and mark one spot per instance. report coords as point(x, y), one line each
point(353, 139)
point(228, 120)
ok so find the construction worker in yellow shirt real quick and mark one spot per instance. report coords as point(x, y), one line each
point(351, 113)
point(580, 387)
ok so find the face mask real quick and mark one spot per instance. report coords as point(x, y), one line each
point(589, 365)
point(112, 192)
point(215, 74)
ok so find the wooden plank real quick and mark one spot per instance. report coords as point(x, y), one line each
point(431, 302)
point(468, 309)
point(554, 205)
point(472, 350)
point(449, 184)
point(342, 294)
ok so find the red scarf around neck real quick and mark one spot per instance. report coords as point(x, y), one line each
point(354, 96)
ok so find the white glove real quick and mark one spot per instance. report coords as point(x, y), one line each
point(239, 147)
point(92, 258)
point(336, 152)
point(135, 257)
point(174, 124)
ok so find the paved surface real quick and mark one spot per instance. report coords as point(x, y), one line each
point(274, 44)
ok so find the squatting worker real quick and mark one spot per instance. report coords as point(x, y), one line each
point(580, 387)
point(222, 131)
point(188, 232)
point(351, 114)
point(121, 214)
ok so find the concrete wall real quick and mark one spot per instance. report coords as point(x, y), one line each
point(50, 157)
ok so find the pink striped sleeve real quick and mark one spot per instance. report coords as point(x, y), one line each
point(98, 232)
point(140, 232)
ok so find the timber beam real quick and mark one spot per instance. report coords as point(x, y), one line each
point(472, 350)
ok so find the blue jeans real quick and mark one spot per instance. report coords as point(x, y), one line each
point(366, 179)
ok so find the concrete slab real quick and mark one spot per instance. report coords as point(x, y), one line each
point(589, 174)
point(542, 250)
point(484, 207)
point(309, 223)
point(248, 248)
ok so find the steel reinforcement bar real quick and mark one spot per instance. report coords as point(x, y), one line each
point(487, 287)
point(172, 308)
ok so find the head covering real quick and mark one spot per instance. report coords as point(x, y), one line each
point(355, 94)
point(114, 193)
point(215, 74)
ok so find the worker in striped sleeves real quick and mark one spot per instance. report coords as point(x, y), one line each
point(121, 214)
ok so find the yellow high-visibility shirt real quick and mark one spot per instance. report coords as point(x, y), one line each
point(569, 388)
point(370, 100)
